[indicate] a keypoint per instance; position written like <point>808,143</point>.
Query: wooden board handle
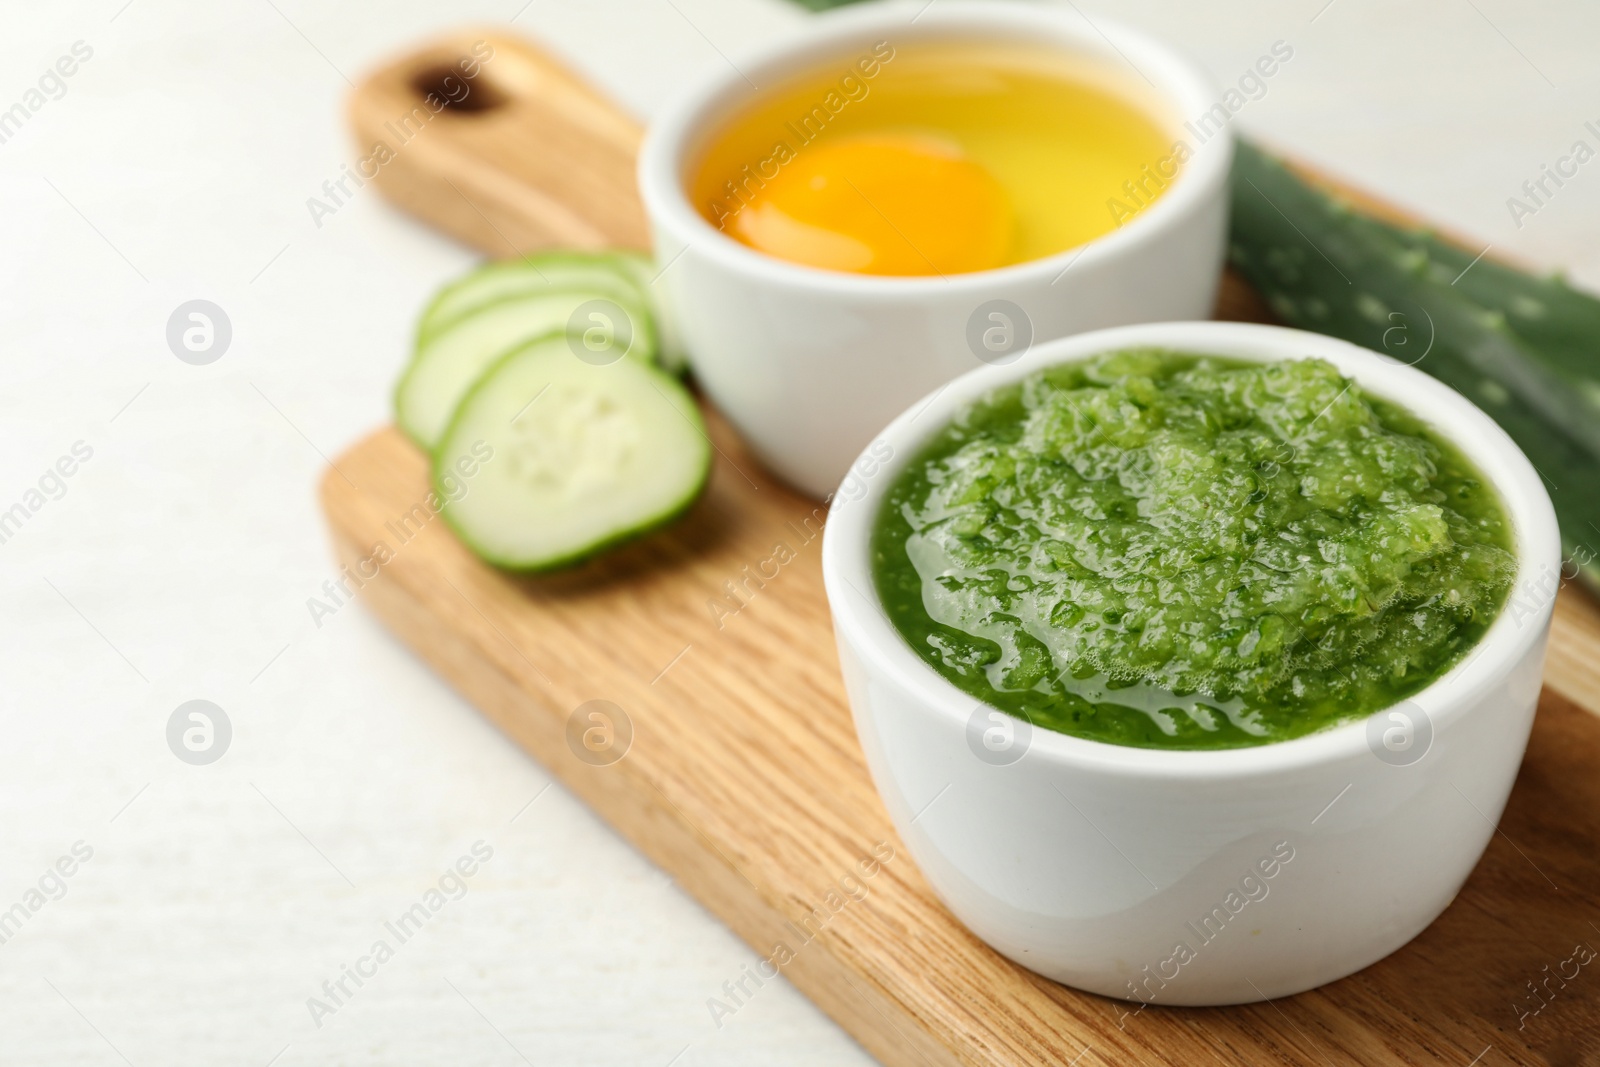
<point>495,142</point>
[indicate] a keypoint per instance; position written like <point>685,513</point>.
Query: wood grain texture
<point>743,778</point>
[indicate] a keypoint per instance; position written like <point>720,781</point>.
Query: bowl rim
<point>860,621</point>
<point>673,137</point>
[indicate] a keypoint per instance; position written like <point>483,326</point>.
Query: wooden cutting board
<point>741,774</point>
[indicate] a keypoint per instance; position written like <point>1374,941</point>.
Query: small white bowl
<point>809,363</point>
<point>1092,863</point>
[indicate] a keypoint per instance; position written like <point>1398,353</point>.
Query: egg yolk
<point>881,203</point>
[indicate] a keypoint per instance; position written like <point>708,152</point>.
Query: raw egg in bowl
<point>938,157</point>
<point>904,191</point>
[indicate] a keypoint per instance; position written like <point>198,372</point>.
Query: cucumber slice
<point>624,276</point>
<point>551,272</point>
<point>550,459</point>
<point>448,362</point>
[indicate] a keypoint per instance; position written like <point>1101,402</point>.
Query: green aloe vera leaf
<point>1487,342</point>
<point>1560,324</point>
<point>1323,267</point>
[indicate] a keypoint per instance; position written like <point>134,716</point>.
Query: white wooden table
<point>176,562</point>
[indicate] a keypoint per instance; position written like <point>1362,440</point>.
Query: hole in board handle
<point>456,91</point>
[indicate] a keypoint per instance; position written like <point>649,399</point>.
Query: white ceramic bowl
<point>1091,863</point>
<point>809,363</point>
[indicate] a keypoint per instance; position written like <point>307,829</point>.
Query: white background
<point>178,564</point>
